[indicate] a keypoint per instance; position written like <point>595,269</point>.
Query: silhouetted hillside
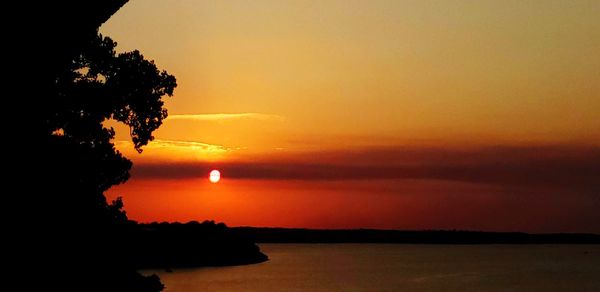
<point>287,235</point>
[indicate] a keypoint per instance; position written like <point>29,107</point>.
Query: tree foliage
<point>98,85</point>
<point>80,161</point>
<point>67,81</point>
<point>101,84</point>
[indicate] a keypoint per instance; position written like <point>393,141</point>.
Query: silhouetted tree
<point>65,80</point>
<point>96,86</point>
<point>80,162</point>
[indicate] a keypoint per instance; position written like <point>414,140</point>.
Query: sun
<point>214,176</point>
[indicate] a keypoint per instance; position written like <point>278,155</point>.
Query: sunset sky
<point>378,114</point>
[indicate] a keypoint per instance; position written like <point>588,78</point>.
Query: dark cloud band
<point>575,167</point>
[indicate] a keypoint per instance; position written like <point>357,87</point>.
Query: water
<point>389,267</point>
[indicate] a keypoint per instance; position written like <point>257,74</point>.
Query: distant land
<point>299,235</point>
<point>195,244</point>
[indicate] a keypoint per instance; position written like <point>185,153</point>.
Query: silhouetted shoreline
<point>193,244</point>
<point>299,235</point>
<point>185,245</point>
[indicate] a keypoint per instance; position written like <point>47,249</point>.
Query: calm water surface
<point>388,267</point>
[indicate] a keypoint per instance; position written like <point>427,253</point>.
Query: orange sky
<point>384,114</point>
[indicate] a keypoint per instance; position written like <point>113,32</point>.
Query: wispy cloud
<point>158,143</point>
<point>176,145</point>
<point>226,116</point>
